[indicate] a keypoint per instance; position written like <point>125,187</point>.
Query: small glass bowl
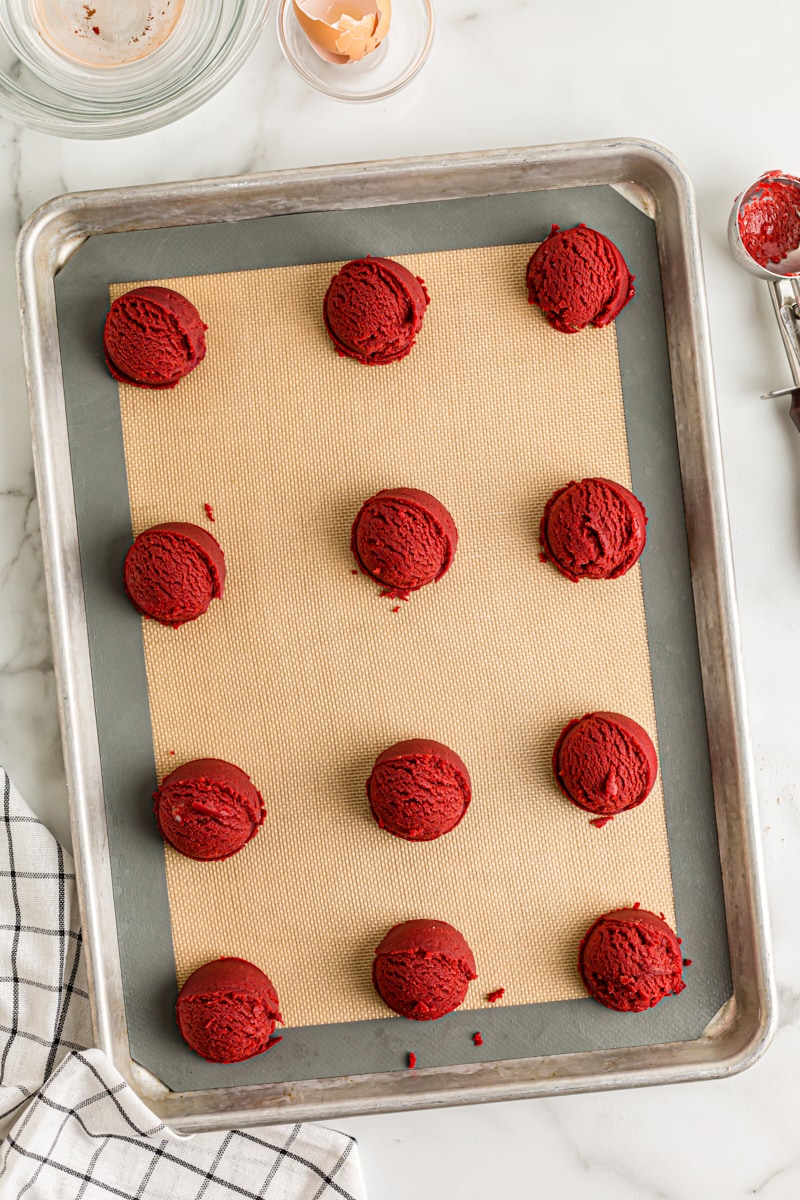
<point>110,68</point>
<point>380,74</point>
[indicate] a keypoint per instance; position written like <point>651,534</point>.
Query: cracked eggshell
<point>343,31</point>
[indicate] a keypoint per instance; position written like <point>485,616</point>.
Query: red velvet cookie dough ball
<point>594,529</point>
<point>153,337</point>
<point>208,809</point>
<point>373,310</point>
<point>605,763</point>
<point>578,277</point>
<point>227,1010</point>
<point>630,960</point>
<point>173,571</point>
<point>403,538</point>
<point>422,969</point>
<point>419,790</point>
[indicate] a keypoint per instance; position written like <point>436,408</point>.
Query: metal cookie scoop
<point>783,275</point>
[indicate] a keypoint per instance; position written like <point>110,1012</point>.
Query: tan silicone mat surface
<point>302,674</point>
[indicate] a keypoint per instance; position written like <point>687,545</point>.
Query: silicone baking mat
<point>302,673</point>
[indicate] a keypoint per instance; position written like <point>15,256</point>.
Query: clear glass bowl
<point>112,68</point>
<point>380,74</point>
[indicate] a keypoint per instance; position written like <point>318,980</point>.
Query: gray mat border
<point>118,660</point>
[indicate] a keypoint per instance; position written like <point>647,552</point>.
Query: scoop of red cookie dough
<point>172,572</point>
<point>419,789</point>
<point>422,969</point>
<point>153,337</point>
<point>403,539</point>
<point>373,310</point>
<point>578,277</point>
<point>605,763</point>
<point>630,960</point>
<point>227,1010</point>
<point>208,809</point>
<point>594,529</point>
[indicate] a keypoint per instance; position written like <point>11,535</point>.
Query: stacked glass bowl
<point>110,68</point>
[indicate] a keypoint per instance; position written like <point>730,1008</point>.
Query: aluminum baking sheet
<point>725,1017</point>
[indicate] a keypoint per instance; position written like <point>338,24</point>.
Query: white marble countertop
<point>512,73</point>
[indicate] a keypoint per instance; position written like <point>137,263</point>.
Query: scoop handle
<point>786,302</point>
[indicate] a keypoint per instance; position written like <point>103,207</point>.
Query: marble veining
<point>505,73</point>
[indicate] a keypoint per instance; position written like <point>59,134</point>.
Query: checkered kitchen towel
<point>73,1128</point>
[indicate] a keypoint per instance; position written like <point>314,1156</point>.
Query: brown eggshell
<point>355,36</point>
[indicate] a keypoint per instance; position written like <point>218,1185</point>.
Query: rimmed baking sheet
<point>182,213</point>
<point>119,679</point>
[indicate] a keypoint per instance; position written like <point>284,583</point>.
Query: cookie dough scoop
<point>373,310</point>
<point>173,571</point>
<point>605,763</point>
<point>208,809</point>
<point>419,789</point>
<point>422,969</point>
<point>227,1010</point>
<point>153,337</point>
<point>630,960</point>
<point>593,529</point>
<point>404,539</point>
<point>578,277</point>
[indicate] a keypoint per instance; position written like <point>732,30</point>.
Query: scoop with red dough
<point>404,539</point>
<point>630,959</point>
<point>152,337</point>
<point>208,809</point>
<point>605,763</point>
<point>173,571</point>
<point>594,529</point>
<point>419,789</point>
<point>769,223</point>
<point>578,277</point>
<point>422,969</point>
<point>227,1010</point>
<point>373,310</point>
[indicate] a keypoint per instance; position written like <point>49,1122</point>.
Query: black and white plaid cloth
<point>73,1128</point>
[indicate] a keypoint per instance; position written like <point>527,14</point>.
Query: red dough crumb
<point>173,571</point>
<point>396,609</point>
<point>687,962</point>
<point>419,789</point>
<point>630,959</point>
<point>403,539</point>
<point>477,1039</point>
<point>153,337</point>
<point>412,1060</point>
<point>373,310</point>
<point>599,822</point>
<point>209,511</point>
<point>605,763</point>
<point>594,529</point>
<point>578,277</point>
<point>208,809</point>
<point>493,997</point>
<point>422,969</point>
<point>227,1010</point>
